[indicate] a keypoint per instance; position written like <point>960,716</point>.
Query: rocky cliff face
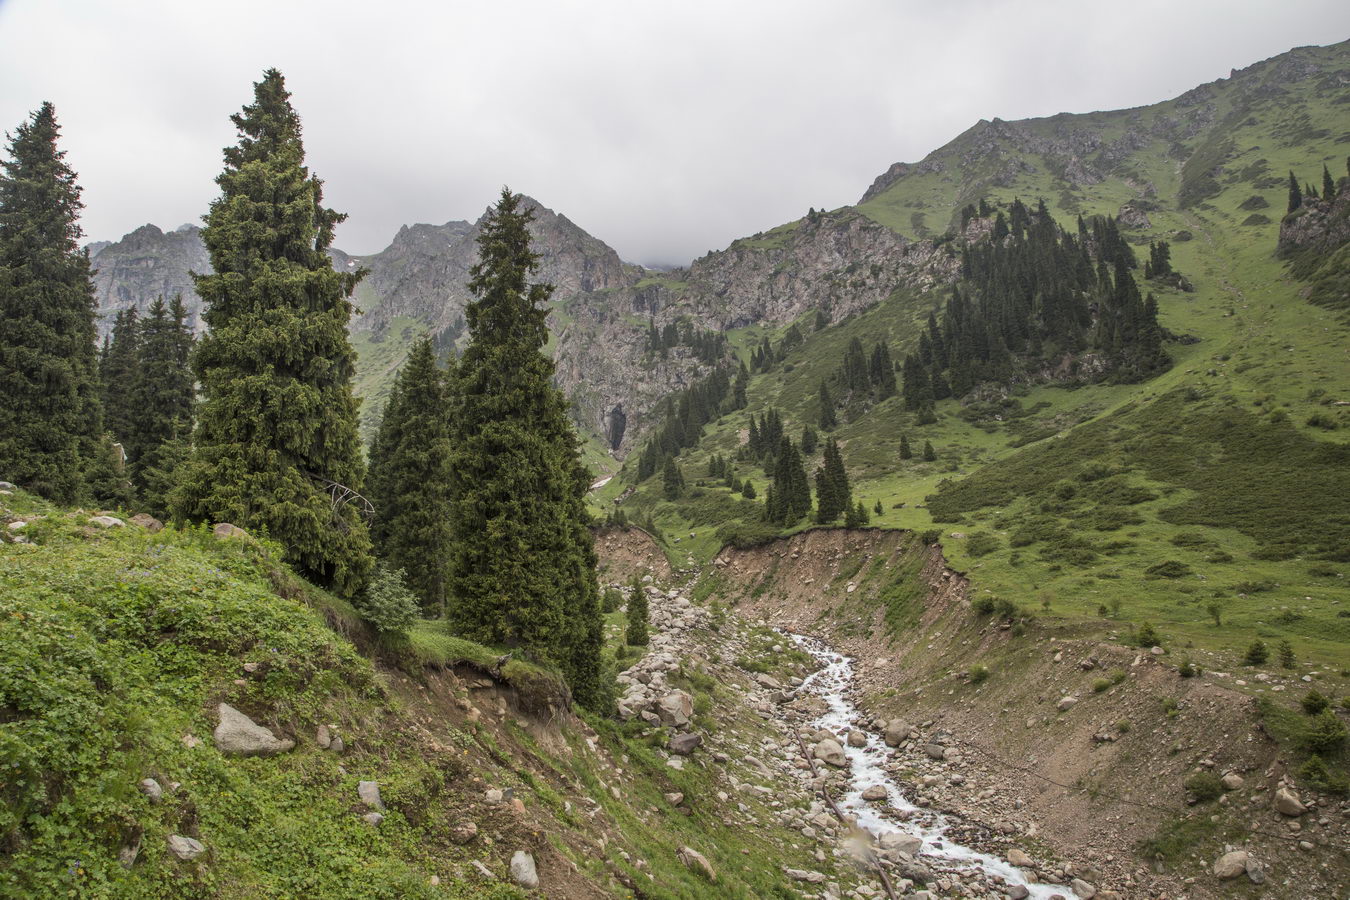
<point>840,262</point>
<point>144,265</point>
<point>1319,227</point>
<point>424,273</point>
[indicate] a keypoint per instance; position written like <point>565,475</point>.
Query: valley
<point>988,538</point>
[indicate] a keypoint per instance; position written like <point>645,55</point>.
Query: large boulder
<point>238,735</point>
<point>523,871</point>
<point>896,733</point>
<point>685,743</point>
<point>1231,865</point>
<point>148,522</point>
<point>675,709</point>
<point>185,848</point>
<point>369,793</point>
<point>1288,804</point>
<point>1019,858</point>
<point>828,751</point>
<point>900,842</point>
<point>226,530</point>
<point>696,862</point>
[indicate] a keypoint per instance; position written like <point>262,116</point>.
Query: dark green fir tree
<point>276,445</point>
<point>636,635</point>
<point>928,453</point>
<point>672,479</point>
<point>163,395</point>
<point>117,373</point>
<point>50,415</point>
<point>522,564</point>
<point>410,478</point>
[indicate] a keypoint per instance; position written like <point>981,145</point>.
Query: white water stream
<point>833,683</point>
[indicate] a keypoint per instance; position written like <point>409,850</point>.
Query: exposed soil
<point>1089,783</point>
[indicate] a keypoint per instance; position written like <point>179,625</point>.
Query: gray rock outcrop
<point>238,735</point>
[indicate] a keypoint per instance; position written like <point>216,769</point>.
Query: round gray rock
<point>523,871</point>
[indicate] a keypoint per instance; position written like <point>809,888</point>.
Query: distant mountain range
<point>1221,150</point>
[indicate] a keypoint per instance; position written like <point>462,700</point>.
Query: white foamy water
<point>601,483</point>
<point>867,766</point>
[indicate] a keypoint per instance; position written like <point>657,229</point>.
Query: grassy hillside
<point>116,645</point>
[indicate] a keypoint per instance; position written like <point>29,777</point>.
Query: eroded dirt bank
<point>1066,747</point>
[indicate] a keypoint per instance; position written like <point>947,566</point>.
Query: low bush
<point>1204,786</point>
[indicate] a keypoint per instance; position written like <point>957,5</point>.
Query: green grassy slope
<point>117,645</point>
<point>1240,446</point>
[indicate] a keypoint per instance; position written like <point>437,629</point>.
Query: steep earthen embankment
<point>1061,738</point>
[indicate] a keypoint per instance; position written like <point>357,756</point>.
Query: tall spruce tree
<point>410,478</point>
<point>50,414</point>
<point>117,373</point>
<point>1295,194</point>
<point>522,565</point>
<point>276,444</point>
<point>163,395</point>
<point>637,614</point>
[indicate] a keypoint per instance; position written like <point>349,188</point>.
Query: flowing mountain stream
<point>833,683</point>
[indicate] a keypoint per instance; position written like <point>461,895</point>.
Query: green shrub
<point>1256,654</point>
<point>1147,637</point>
<point>984,604</point>
<point>1169,569</point>
<point>1100,684</point>
<point>981,543</point>
<point>1315,775</point>
<point>931,536</point>
<point>1325,735</point>
<point>611,600</point>
<point>1187,669</point>
<point>388,606</point>
<point>979,674</point>
<point>1286,655</point>
<point>1204,786</point>
<point>1314,702</point>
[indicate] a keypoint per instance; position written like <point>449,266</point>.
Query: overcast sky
<point>665,129</point>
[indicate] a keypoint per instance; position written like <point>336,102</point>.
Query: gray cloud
<point>664,129</point>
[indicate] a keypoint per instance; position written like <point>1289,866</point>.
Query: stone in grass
<point>226,530</point>
<point>185,848</point>
<point>685,743</point>
<point>106,522</point>
<point>238,735</point>
<point>1231,865</point>
<point>151,788</point>
<point>1288,804</point>
<point>697,862</point>
<point>523,871</point>
<point>369,792</point>
<point>147,522</point>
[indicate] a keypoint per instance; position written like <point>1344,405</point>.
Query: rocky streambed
<point>865,754</point>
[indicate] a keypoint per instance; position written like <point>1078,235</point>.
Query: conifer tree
<point>1295,194</point>
<point>809,440</point>
<point>522,564</point>
<point>905,452</point>
<point>276,445</point>
<point>50,416</point>
<point>1328,184</point>
<point>117,371</point>
<point>833,493</point>
<point>928,454</point>
<point>672,479</point>
<point>162,393</point>
<point>748,489</point>
<point>827,417</point>
<point>638,613</point>
<point>410,478</point>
